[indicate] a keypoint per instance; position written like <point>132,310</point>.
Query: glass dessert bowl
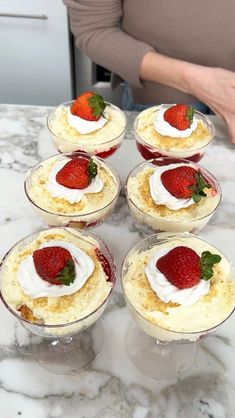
<point>102,141</point>
<point>155,137</point>
<point>65,191</point>
<point>178,289</point>
<point>57,283</point>
<point>172,195</point>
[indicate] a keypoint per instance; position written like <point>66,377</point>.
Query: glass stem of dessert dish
<point>172,194</point>
<point>87,124</point>
<point>178,289</point>
<point>56,283</point>
<point>74,190</point>
<point>173,131</point>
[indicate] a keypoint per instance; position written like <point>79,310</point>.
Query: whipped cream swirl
<point>166,291</point>
<point>86,126</point>
<point>71,195</point>
<point>165,129</point>
<point>160,194</point>
<point>33,285</point>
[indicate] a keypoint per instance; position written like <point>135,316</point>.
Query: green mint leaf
<point>207,262</point>
<point>67,275</point>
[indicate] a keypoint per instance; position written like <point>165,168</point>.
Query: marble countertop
<point>112,388</point>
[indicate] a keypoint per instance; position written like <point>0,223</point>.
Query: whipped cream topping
<point>160,194</point>
<point>71,195</point>
<point>166,291</point>
<point>165,129</point>
<point>85,126</point>
<point>33,285</point>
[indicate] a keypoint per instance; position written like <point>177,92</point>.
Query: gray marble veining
<point>112,388</point>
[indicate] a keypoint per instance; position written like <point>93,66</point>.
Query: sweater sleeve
<point>95,25</point>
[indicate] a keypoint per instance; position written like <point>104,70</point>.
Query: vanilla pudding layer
<point>151,312</point>
<point>138,191</point>
<point>145,130</point>
<point>56,310</point>
<point>89,203</point>
<point>113,128</point>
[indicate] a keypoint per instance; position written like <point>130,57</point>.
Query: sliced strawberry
<point>179,116</point>
<point>88,106</point>
<point>105,264</point>
<point>77,173</point>
<point>185,182</point>
<point>183,267</point>
<point>55,265</point>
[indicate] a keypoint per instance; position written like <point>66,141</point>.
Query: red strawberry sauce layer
<point>102,154</point>
<point>105,264</point>
<point>149,153</point>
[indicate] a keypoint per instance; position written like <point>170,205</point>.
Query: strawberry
<point>55,265</point>
<point>105,264</point>
<point>88,106</point>
<point>77,173</point>
<point>179,116</point>
<point>183,267</point>
<point>185,182</point>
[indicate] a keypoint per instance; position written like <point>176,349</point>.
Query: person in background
<point>180,51</point>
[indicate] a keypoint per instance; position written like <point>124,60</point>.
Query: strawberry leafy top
<point>189,114</point>
<point>207,262</point>
<point>198,188</point>
<point>96,102</point>
<point>92,169</point>
<point>67,275</point>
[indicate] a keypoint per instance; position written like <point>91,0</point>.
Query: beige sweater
<point>117,34</point>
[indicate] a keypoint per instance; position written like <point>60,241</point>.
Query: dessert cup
<point>149,150</point>
<point>74,216</point>
<point>158,352</point>
<point>66,347</point>
<point>103,143</point>
<point>172,221</point>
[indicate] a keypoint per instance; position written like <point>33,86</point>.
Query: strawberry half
<point>185,182</point>
<point>55,265</point>
<point>179,116</point>
<point>105,264</point>
<point>77,173</point>
<point>183,267</point>
<point>88,106</point>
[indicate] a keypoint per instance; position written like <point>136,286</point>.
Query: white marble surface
<point>112,387</point>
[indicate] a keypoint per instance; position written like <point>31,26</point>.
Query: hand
<point>216,88</point>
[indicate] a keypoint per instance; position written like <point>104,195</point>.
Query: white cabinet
<point>35,62</point>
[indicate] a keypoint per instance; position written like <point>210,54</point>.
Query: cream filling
<point>208,311</point>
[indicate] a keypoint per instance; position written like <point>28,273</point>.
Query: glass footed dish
<point>157,351</point>
<point>75,217</point>
<point>63,348</point>
<point>103,142</point>
<point>148,150</point>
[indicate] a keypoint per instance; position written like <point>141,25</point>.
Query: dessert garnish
<point>105,264</point>
<point>55,265</point>
<point>88,106</point>
<point>184,268</point>
<point>185,182</point>
<point>77,173</point>
<point>179,116</point>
